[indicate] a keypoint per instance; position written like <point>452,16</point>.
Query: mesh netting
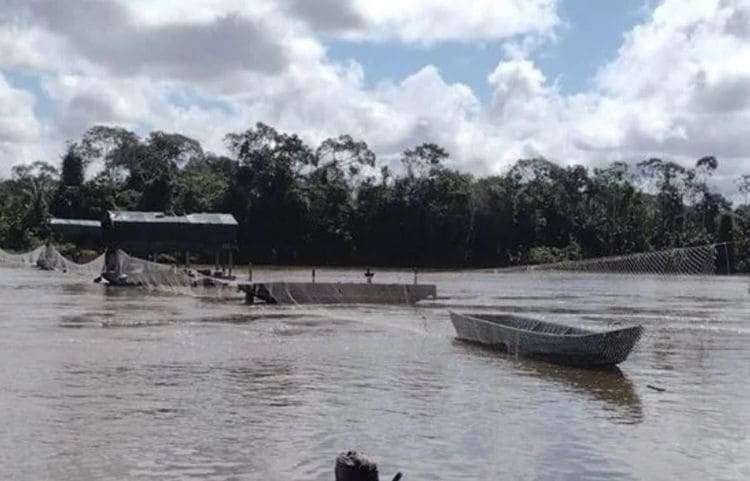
<point>342,293</point>
<point>700,260</point>
<point>123,269</point>
<point>51,259</point>
<point>25,258</point>
<point>120,268</point>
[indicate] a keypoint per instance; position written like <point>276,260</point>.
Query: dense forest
<point>335,204</point>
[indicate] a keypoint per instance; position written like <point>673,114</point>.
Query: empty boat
<point>526,336</point>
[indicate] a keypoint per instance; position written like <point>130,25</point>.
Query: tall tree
<point>31,190</point>
<point>424,159</point>
<point>67,201</point>
<point>266,195</point>
<point>73,167</point>
<point>743,185</point>
<point>154,172</point>
<point>671,182</point>
<point>344,156</point>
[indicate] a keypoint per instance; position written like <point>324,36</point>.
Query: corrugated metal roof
<point>161,218</point>
<point>76,222</point>
<point>210,218</point>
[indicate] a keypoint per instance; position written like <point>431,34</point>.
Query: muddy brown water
<point>106,383</point>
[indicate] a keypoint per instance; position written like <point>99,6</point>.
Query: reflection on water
<point>610,386</point>
<point>100,383</point>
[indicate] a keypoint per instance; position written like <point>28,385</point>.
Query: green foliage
<point>423,159</point>
<point>335,205</point>
<point>201,186</point>
<point>73,167</point>
<point>551,255</point>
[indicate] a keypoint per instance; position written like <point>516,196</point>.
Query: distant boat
<point>557,343</point>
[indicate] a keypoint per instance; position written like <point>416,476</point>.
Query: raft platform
<point>336,293</point>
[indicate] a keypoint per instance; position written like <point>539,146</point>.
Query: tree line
<point>336,205</point>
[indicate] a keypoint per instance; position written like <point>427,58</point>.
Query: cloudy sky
<point>576,81</point>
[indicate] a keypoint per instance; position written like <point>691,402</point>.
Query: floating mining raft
<point>336,293</point>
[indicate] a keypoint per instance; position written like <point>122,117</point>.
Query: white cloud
<point>680,84</point>
<point>19,129</point>
<point>17,120</point>
<point>678,87</point>
<point>430,21</point>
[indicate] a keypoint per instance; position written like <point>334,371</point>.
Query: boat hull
<point>552,342</point>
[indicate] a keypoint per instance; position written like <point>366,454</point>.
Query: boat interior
<point>530,324</point>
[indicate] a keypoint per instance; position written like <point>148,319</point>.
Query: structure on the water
<point>336,293</point>
<point>128,235</point>
<point>151,233</point>
<point>81,232</point>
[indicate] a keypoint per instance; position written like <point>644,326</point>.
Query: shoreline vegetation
<point>337,205</point>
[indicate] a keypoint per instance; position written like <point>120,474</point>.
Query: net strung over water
<point>699,260</point>
<point>125,269</point>
<point>130,269</point>
<point>49,258</point>
<point>19,259</point>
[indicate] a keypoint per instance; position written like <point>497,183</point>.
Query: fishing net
<point>20,259</point>
<point>342,293</point>
<point>52,260</point>
<point>699,260</point>
<point>49,258</point>
<point>120,268</point>
<point>123,269</point>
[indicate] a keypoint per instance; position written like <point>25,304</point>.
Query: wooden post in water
<point>415,276</point>
<point>250,272</point>
<point>250,295</point>
<point>313,275</point>
<point>231,262</point>
<point>216,261</point>
<point>726,256</point>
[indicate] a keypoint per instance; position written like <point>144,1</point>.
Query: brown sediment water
<point>118,383</point>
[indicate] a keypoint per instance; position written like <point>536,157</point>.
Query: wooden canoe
<point>531,337</point>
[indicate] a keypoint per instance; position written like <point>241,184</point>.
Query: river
<point>108,383</point>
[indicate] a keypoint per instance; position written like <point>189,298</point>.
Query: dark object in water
<point>557,343</point>
<point>655,388</point>
<point>354,466</point>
